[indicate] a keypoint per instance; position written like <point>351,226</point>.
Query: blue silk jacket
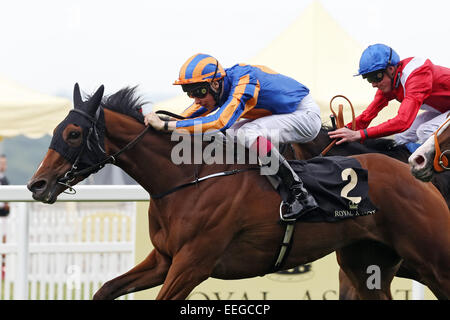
<point>249,92</point>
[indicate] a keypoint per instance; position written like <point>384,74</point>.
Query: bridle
<point>73,172</point>
<point>441,161</point>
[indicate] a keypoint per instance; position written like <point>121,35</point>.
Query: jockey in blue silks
<point>265,100</point>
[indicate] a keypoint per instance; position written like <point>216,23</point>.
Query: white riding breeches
<point>425,124</point>
<point>301,126</point>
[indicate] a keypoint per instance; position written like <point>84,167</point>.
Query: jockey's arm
<point>194,110</point>
<point>418,87</point>
<point>379,102</point>
<point>243,97</point>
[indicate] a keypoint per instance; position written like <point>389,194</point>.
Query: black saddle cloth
<point>339,185</point>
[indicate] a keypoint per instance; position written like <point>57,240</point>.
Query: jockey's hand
<point>345,135</point>
<point>153,120</point>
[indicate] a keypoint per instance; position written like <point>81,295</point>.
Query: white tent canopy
<point>27,112</point>
<point>317,52</point>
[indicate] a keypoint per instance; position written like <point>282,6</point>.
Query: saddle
<point>339,185</point>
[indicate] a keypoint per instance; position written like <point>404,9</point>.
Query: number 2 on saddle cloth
<point>339,185</point>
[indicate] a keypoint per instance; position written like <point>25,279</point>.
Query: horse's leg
<point>408,272</point>
<point>346,289</point>
<point>433,271</point>
<point>193,264</point>
<point>359,260</point>
<point>427,254</point>
<point>415,219</point>
<point>149,273</point>
<point>348,292</point>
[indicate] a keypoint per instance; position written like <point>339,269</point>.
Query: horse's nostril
<point>37,185</point>
<point>419,159</point>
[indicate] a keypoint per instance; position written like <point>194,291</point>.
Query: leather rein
<point>111,159</point>
<point>340,120</point>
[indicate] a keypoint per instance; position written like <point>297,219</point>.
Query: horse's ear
<point>96,99</point>
<point>77,101</point>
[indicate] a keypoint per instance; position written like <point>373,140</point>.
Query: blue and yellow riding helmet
<point>198,72</point>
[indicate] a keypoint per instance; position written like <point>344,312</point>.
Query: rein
<point>197,180</point>
<point>441,161</point>
<point>340,120</point>
<point>73,173</point>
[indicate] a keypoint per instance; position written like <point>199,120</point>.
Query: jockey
<point>416,82</point>
<point>270,103</point>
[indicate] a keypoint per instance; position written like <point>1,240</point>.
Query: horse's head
<point>433,155</point>
<point>77,144</point>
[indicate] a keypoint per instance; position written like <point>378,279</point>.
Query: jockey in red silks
<point>415,82</point>
<point>267,101</point>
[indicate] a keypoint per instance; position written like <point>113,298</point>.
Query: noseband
<point>441,162</point>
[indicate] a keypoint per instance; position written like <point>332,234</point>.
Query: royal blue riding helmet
<point>377,57</point>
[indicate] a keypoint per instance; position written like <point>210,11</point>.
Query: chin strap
<point>217,93</point>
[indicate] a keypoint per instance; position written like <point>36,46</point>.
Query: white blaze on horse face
<point>423,155</point>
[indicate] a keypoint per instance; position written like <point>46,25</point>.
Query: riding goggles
<point>375,76</point>
<point>198,93</point>
<point>196,90</point>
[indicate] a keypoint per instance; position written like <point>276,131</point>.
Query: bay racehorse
<point>433,156</point>
<point>228,226</point>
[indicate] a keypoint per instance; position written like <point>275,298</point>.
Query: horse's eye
<point>74,135</point>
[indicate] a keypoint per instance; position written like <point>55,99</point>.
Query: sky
<point>48,45</point>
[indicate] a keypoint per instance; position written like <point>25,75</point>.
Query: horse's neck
<point>148,161</point>
<point>157,163</point>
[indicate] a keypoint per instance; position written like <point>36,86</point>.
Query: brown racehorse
<point>433,156</point>
<point>227,227</point>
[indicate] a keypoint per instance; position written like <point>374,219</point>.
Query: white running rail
<point>69,249</point>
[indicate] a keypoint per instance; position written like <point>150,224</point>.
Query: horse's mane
<point>125,101</point>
